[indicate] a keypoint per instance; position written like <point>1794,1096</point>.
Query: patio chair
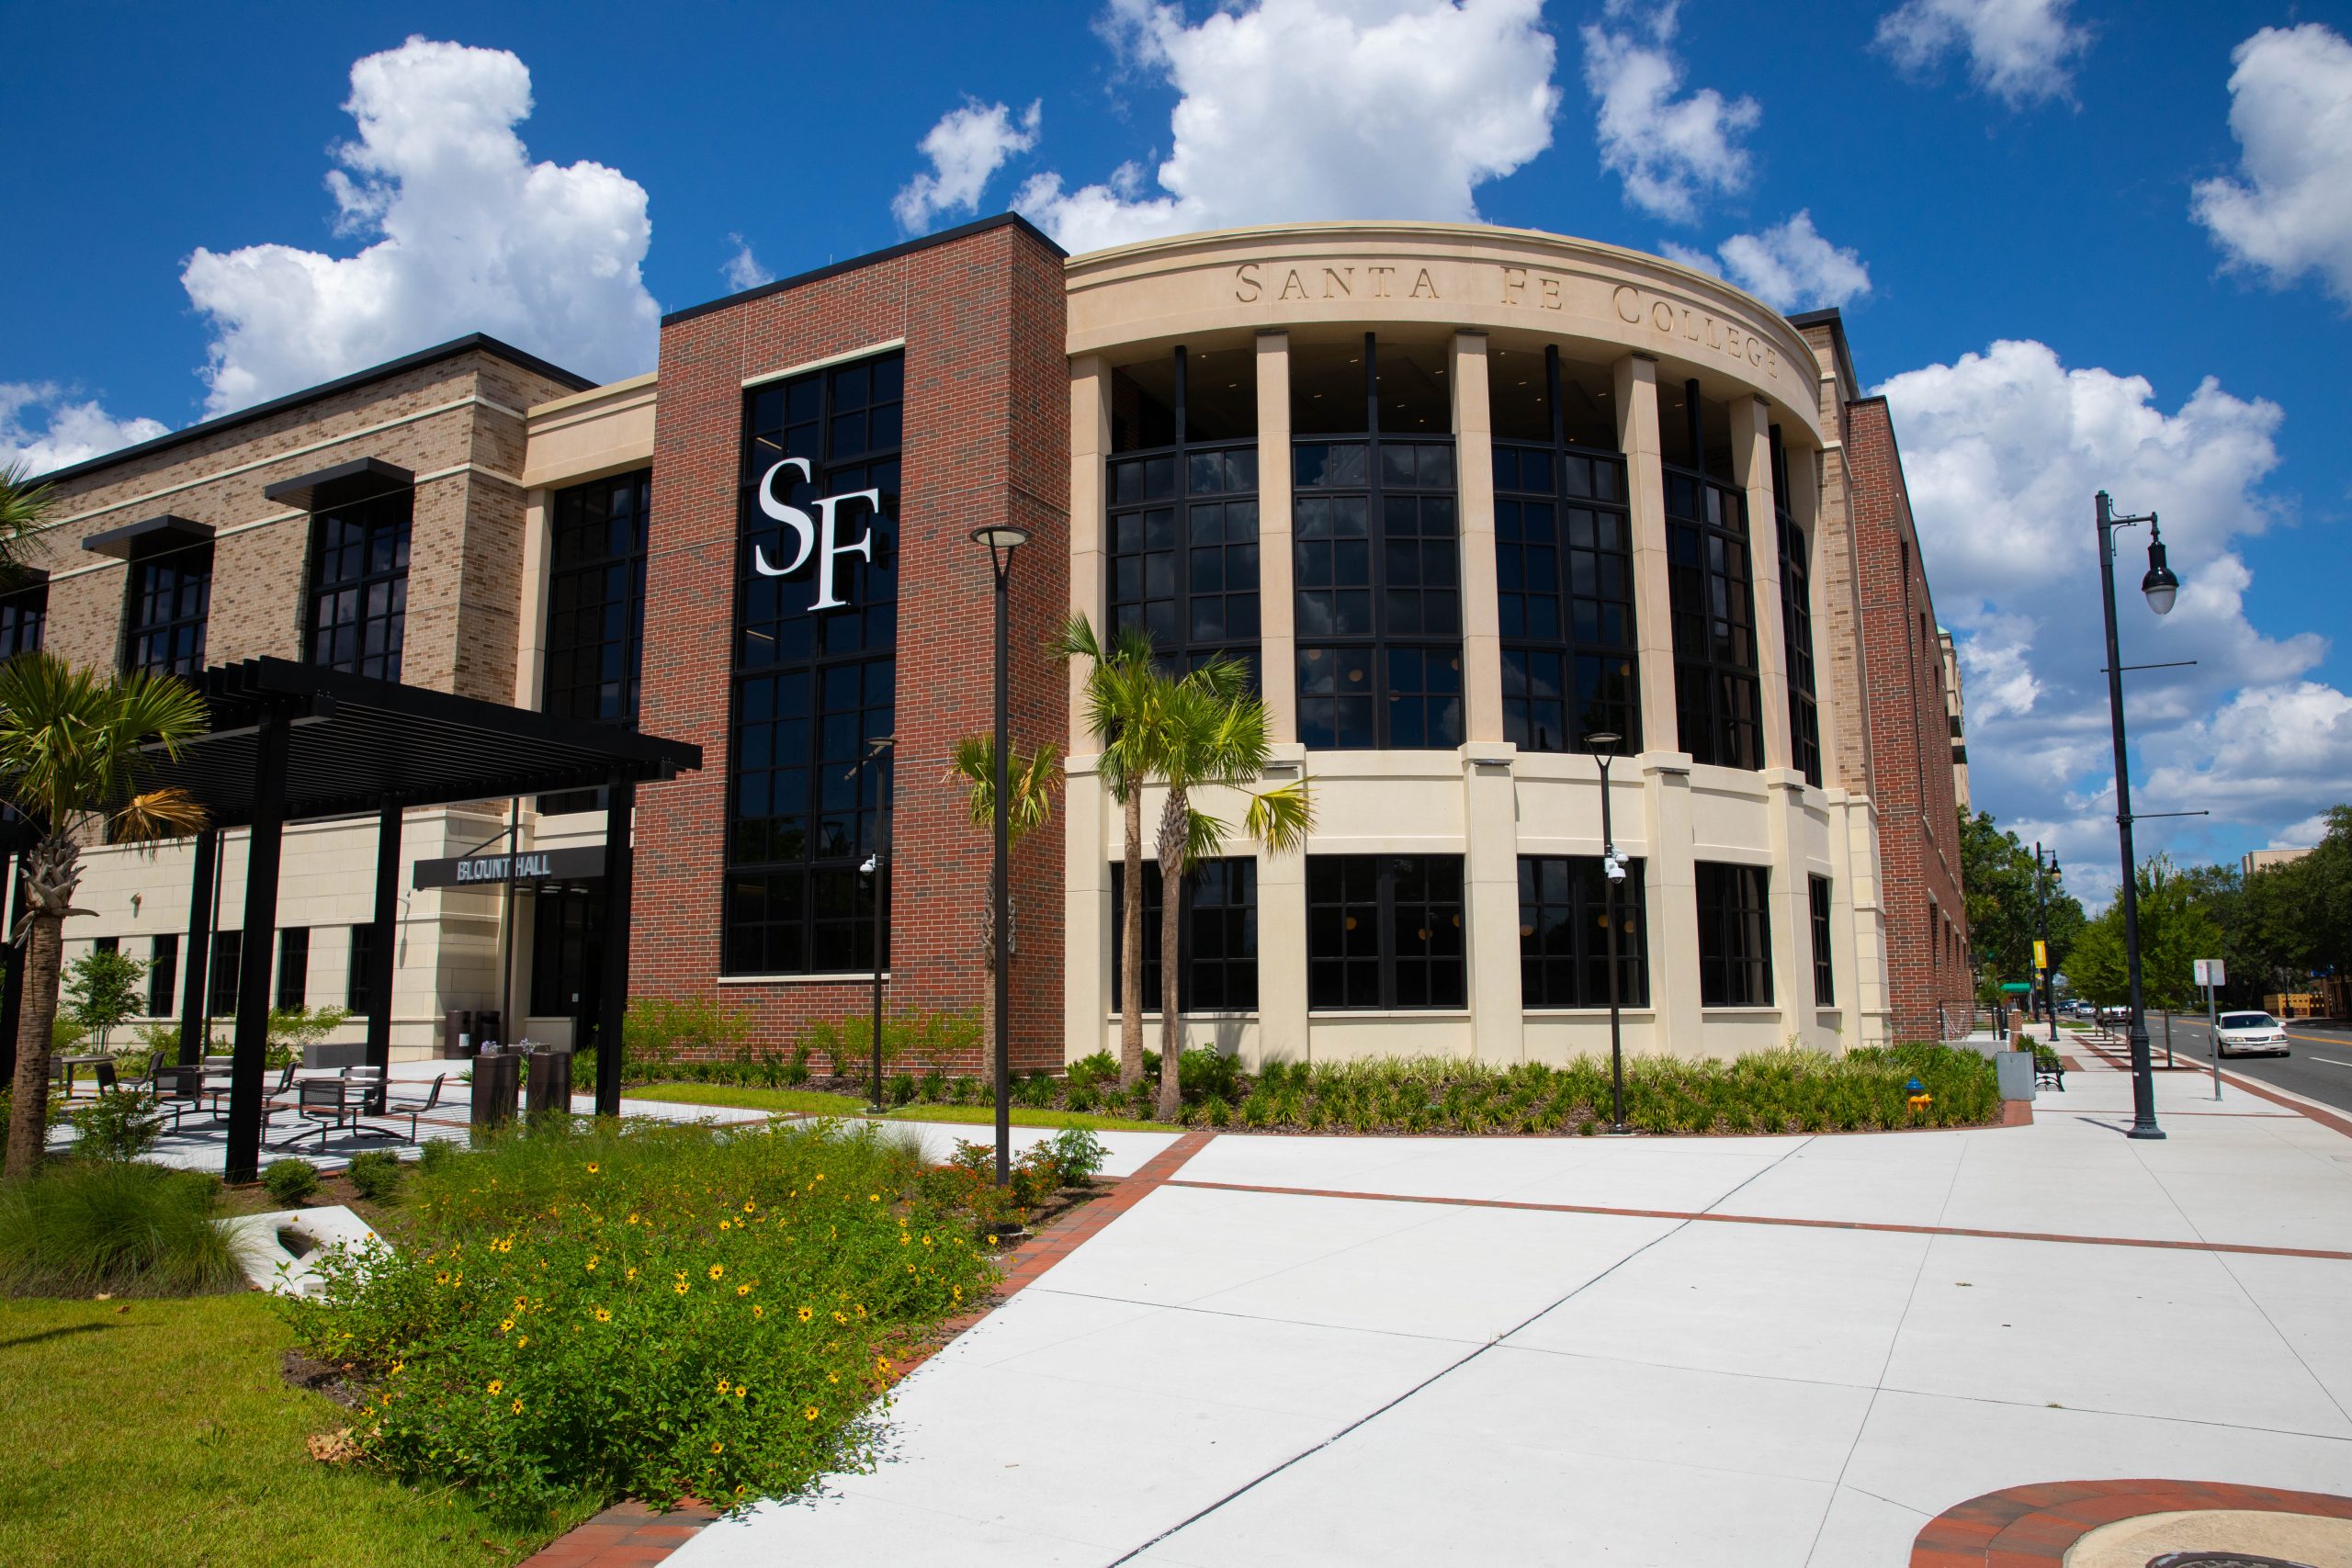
<point>368,1079</point>
<point>324,1101</point>
<point>273,1096</point>
<point>179,1091</point>
<point>415,1110</point>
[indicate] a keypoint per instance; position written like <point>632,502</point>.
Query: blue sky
<point>2099,187</point>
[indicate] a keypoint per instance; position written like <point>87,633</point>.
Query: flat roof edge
<point>890,252</point>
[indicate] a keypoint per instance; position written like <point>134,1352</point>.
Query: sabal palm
<point>25,506</point>
<point>1188,733</point>
<point>71,759</point>
<point>1029,782</point>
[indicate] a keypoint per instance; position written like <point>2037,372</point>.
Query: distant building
<point>2263,860</point>
<point>1952,711</point>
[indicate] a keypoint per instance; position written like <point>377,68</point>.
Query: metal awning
<point>355,744</point>
<point>155,536</point>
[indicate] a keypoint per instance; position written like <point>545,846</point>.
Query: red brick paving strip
<point>631,1534</point>
<point>2033,1527</point>
<point>2232,1246</point>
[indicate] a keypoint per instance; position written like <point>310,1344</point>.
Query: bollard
<point>549,1076</point>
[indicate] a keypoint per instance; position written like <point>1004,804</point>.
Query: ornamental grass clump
<point>128,1229</point>
<point>641,1310</point>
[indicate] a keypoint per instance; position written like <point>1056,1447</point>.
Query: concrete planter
<point>2015,1071</point>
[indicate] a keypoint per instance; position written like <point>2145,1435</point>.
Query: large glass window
<point>1564,933</point>
<point>293,966</point>
<point>1564,574</point>
<point>221,983</point>
<point>1216,946</point>
<point>1378,564</point>
<point>358,997</point>
<point>170,597</point>
<point>1734,935</point>
<point>162,975</point>
<point>1385,932</point>
<point>358,617</point>
<point>815,683</point>
<point>1184,518</point>
<point>24,614</point>
<point>596,599</point>
<point>1713,594</point>
<point>1825,974</point>
<point>567,945</point>
<point>1796,620</point>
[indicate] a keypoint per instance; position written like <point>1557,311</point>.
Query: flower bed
<point>651,1311</point>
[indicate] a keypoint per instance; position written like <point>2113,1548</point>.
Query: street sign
<point>2016,988</point>
<point>2209,971</point>
<point>2041,955</point>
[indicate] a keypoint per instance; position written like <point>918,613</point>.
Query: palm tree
<point>71,759</point>
<point>1188,733</point>
<point>1029,782</point>
<point>24,508</point>
<point>1122,689</point>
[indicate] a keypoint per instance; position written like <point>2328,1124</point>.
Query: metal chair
<point>413,1109</point>
<point>325,1101</point>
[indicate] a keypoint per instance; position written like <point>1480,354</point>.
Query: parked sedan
<point>2252,1034</point>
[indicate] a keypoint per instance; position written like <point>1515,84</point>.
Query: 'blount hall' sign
<point>532,865</point>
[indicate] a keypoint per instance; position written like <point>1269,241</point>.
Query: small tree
<point>102,991</point>
<point>1029,782</point>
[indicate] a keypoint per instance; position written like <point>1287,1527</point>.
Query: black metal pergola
<point>290,742</point>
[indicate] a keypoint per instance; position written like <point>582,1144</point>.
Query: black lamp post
<point>1001,540</point>
<point>2041,881</point>
<point>1612,868</point>
<point>2161,587</point>
<point>876,867</point>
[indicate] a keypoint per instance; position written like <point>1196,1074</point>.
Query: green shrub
<point>124,1124</point>
<point>1092,1072</point>
<point>115,1225</point>
<point>377,1174</point>
<point>291,1181</point>
<point>435,1153</point>
<point>645,1310</point>
<point>1202,1072</point>
<point>1079,1154</point>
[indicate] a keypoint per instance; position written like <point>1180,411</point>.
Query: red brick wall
<point>1910,736</point>
<point>987,441</point>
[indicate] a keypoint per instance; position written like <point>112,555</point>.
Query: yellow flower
<point>758,1312</point>
<point>441,1279</point>
<point>631,1274</point>
<point>882,1363</point>
<point>832,1377</point>
<point>592,1167</point>
<point>739,1390</point>
<point>809,1414</point>
<point>959,1291</point>
<point>747,1205</point>
<point>874,1197</point>
<point>724,1385</point>
<point>718,1448</point>
<point>805,1314</point>
<point>520,1303</point>
<point>507,1327</point>
<point>632,1219</point>
<point>591,1265</point>
<point>839,1318</point>
<point>518,1407</point>
<point>397,1366</point>
<point>726,1224</point>
<point>603,1315</point>
<point>679,1287</point>
<point>497,1385</point>
<point>717,1270</point>
<point>522,1341</point>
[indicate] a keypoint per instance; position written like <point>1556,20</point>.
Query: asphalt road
<point>2319,1067</point>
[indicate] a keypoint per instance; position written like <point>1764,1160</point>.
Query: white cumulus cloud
<point>1788,266</point>
<point>44,426</point>
<point>2290,210</point>
<point>966,148</point>
<point>743,270</point>
<point>469,235</point>
<point>1306,109</point>
<point>1671,149</point>
<point>2022,51</point>
<point>2003,452</point>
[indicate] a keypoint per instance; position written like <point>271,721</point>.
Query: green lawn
<point>817,1103</point>
<point>161,1431</point>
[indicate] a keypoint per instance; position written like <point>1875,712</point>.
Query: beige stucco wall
<point>1653,320</point>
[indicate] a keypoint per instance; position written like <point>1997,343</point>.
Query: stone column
<point>1087,913</point>
<point>1490,876</point>
<point>1751,452</point>
<point>1090,446</point>
<point>1673,894</point>
<point>531,640</point>
<point>1277,642</point>
<point>1636,400</point>
<point>1282,934</point>
<point>1474,448</point>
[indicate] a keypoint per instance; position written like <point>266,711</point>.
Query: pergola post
<point>255,949</point>
<point>195,1002</point>
<point>380,953</point>
<point>620,817</point>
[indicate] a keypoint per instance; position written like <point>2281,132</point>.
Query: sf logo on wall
<point>816,534</point>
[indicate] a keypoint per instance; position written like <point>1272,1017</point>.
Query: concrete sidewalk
<point>1662,1351</point>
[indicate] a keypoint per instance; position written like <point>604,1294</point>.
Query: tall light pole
<point>1612,868</point>
<point>2161,587</point>
<point>1001,540</point>
<point>876,865</point>
<point>2049,971</point>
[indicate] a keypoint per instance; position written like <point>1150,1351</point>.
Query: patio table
<point>71,1063</point>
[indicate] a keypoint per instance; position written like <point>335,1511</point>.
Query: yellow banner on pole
<point>2041,955</point>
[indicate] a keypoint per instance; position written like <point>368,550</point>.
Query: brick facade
<point>980,311</point>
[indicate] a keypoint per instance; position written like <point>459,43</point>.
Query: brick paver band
<point>2033,1527</point>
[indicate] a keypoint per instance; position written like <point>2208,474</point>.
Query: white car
<point>2252,1034</point>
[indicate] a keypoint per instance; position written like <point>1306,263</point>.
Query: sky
<point>2077,244</point>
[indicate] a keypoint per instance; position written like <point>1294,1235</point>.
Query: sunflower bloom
<point>809,1414</point>
<point>717,1270</point>
<point>497,1385</point>
<point>603,1315</point>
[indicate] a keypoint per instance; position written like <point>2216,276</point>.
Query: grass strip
<point>816,1102</point>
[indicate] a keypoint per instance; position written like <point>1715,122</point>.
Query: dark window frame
<point>1385,583</point>
<point>223,976</point>
<point>1824,968</point>
<point>167,602</point>
<point>1218,910</point>
<point>293,985</point>
<point>1375,972</point>
<point>567,940</point>
<point>1711,578</point>
<point>811,689</point>
<point>596,599</point>
<point>1563,941</point>
<point>357,585</point>
<point>1734,935</point>
<point>359,992</point>
<point>24,618</point>
<point>163,972</point>
<point>1183,527</point>
<point>1554,602</point>
<point>1796,622</point>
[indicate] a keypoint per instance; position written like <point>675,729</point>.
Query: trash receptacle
<point>548,1076</point>
<point>496,1078</point>
<point>457,1036</point>
<point>2013,1070</point>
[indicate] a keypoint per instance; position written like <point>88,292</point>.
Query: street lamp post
<point>875,867</point>
<point>1001,540</point>
<point>1613,869</point>
<point>2042,882</point>
<point>2161,587</point>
